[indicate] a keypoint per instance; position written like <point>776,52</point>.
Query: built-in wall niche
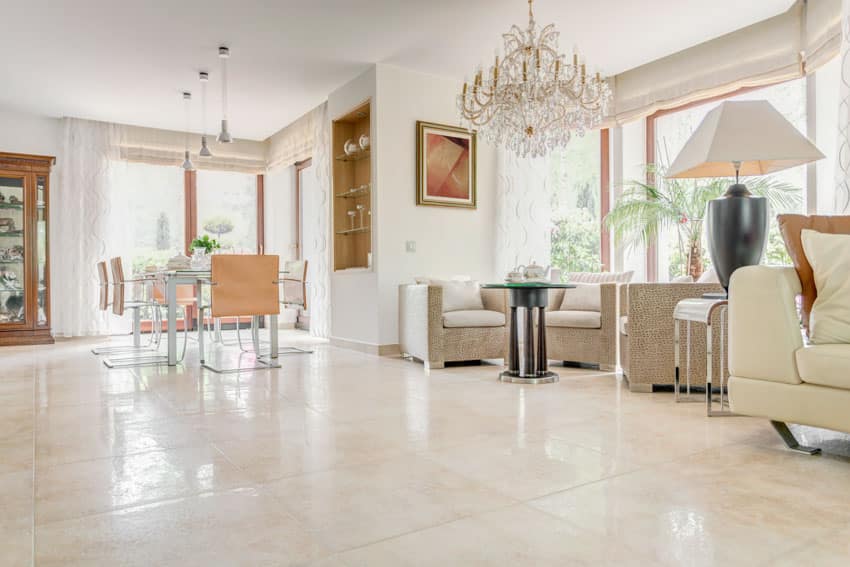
<point>352,189</point>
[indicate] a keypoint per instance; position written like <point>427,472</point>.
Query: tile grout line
<point>34,454</point>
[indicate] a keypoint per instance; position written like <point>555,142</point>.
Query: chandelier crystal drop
<point>532,100</point>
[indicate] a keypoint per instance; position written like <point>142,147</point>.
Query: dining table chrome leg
<point>171,295</point>
<point>542,355</point>
<point>528,350</point>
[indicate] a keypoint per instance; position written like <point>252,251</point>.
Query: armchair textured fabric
<point>773,374</point>
<point>434,337</point>
<point>588,337</point>
<point>646,334</point>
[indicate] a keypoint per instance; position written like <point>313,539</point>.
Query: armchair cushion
<point>473,318</point>
<point>599,277</point>
<point>825,365</point>
<point>829,256</point>
<point>460,295</point>
<point>584,297</point>
<point>575,319</point>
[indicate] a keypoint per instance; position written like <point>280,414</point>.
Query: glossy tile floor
<point>344,459</point>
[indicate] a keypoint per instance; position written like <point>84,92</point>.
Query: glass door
<point>42,276</point>
<point>13,265</point>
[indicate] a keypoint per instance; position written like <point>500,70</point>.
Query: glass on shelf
<point>356,156</point>
<point>355,192</point>
<point>12,276</point>
<point>351,218</point>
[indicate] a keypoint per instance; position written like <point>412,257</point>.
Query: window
<point>575,179</point>
<point>227,209</point>
<point>672,130</point>
<point>149,221</point>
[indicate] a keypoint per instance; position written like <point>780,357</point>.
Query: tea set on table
<point>532,273</point>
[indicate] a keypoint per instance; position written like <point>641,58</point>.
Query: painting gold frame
<point>423,197</point>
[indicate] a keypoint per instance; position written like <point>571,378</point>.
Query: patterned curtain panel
<point>842,181</point>
<point>81,206</point>
<point>317,205</point>
<point>523,211</point>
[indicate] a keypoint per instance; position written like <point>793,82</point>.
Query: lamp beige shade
<point>753,133</point>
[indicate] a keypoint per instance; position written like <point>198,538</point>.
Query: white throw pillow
<point>599,277</point>
<point>682,279</point>
<point>829,255</point>
<point>584,297</point>
<point>709,276</point>
<point>460,296</point>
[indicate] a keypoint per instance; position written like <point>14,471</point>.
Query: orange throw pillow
<point>791,227</point>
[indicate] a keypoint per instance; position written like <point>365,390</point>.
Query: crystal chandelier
<point>532,100</point>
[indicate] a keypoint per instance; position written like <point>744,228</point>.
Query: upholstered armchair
<point>646,334</point>
<point>435,336</point>
<point>584,332</point>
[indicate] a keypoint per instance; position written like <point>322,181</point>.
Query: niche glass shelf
<point>357,230</point>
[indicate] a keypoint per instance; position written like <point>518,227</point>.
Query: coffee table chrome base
<point>547,377</point>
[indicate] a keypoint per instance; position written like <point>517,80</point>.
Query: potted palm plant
<point>645,209</point>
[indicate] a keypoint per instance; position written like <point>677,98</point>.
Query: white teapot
<point>534,272</point>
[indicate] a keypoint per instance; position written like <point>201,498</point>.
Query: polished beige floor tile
<point>341,458</point>
<point>515,535</point>
<point>525,466</point>
<point>240,527</point>
<point>353,506</point>
<point>321,445</point>
<point>102,485</point>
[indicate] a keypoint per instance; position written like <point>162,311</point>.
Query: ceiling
<point>127,61</point>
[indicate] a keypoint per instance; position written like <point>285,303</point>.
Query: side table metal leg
<point>708,370</point>
<point>513,346</point>
<point>676,360</point>
<point>688,358</point>
<point>542,356</point>
<point>528,352</point>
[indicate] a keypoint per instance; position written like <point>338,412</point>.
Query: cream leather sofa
<point>773,374</point>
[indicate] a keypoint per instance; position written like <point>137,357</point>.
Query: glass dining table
<point>197,278</point>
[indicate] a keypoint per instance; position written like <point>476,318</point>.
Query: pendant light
<point>224,135</point>
<point>205,151</point>
<point>187,162</point>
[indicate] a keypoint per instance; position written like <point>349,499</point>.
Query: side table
<point>701,311</point>
<point>535,365</point>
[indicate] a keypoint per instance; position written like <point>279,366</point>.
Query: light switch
<point>410,245</point>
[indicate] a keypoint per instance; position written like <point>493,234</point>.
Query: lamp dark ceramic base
<point>737,231</point>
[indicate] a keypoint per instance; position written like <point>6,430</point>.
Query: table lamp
<point>740,138</point>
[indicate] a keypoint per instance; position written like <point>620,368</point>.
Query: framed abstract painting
<point>445,166</point>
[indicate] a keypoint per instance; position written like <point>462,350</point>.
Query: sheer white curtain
<point>317,202</point>
<point>842,162</point>
<point>81,201</point>
<point>523,211</point>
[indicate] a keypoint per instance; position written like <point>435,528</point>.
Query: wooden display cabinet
<point>352,191</point>
<point>24,265</point>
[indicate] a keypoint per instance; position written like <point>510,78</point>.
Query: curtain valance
<point>294,142</point>
<point>165,147</point>
<point>783,47</point>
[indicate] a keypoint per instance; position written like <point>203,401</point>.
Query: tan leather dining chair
<point>245,285</point>
<point>120,288</point>
<point>104,305</point>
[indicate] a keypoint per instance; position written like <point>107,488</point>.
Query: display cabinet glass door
<point>13,264</point>
<point>41,247</point>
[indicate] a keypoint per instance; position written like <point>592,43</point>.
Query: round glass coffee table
<point>533,366</point>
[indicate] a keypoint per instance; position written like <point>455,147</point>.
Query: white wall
<point>354,293</point>
<point>448,240</point>
<point>279,208</point>
<point>29,134</point>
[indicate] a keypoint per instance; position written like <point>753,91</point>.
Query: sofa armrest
<point>764,328</point>
<point>420,324</point>
<point>650,305</point>
<point>494,299</point>
<point>608,306</point>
